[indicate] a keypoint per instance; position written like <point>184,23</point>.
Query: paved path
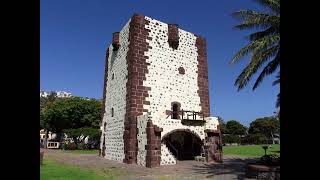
<point>233,167</point>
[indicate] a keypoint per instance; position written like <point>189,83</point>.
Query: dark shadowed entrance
<point>183,144</point>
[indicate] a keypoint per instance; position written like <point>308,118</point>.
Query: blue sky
<point>75,33</point>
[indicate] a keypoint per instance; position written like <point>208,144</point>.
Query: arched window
<point>112,112</point>
<point>175,111</point>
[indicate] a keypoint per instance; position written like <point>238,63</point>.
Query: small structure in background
<point>275,139</point>
<point>53,145</point>
<point>43,140</point>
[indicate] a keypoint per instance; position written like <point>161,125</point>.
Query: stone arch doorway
<point>183,144</point>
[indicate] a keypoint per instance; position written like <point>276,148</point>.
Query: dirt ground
<point>232,168</point>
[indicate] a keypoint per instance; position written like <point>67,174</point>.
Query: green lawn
<point>51,170</point>
<point>94,151</point>
<point>250,150</point>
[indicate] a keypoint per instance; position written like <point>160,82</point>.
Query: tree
<point>222,125</point>
<point>44,103</point>
<point>264,45</point>
<point>266,126</point>
<point>42,120</point>
<point>233,127</point>
<point>231,139</point>
<point>52,97</point>
<point>73,113</point>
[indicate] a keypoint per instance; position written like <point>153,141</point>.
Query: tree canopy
<point>222,125</point>
<point>233,127</point>
<point>265,126</point>
<point>73,113</point>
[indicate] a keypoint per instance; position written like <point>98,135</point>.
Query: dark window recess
<point>173,35</point>
<point>115,41</point>
<point>181,70</point>
<point>175,109</point>
<point>105,126</point>
<point>112,112</point>
<point>112,76</point>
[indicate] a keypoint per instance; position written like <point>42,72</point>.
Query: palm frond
<point>274,5</point>
<point>264,44</point>
<point>257,60</point>
<point>260,34</point>
<point>276,81</point>
<point>258,46</point>
<point>278,101</point>
<point>244,14</point>
<point>253,19</point>
<point>269,69</point>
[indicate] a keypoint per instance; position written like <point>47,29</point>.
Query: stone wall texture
<point>115,97</point>
<point>142,139</point>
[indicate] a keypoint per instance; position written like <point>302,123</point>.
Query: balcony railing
<point>188,115</point>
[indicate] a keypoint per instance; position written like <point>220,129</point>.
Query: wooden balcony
<point>188,116</point>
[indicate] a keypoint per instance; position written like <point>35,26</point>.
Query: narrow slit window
<point>112,112</point>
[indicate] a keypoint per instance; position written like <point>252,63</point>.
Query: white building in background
<point>60,94</point>
<point>63,94</point>
<point>44,94</point>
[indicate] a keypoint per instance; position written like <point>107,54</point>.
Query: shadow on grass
<point>275,151</point>
<point>232,166</point>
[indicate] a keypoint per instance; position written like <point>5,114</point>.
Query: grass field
<point>243,150</point>
<point>250,150</point>
<point>51,170</point>
<point>94,151</point>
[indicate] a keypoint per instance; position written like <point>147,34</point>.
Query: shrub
<point>255,139</point>
<point>231,139</point>
<point>69,146</point>
<point>81,146</point>
<point>271,159</point>
<point>63,146</point>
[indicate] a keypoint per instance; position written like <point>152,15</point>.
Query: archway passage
<point>183,145</point>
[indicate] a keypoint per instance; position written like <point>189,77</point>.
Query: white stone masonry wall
<point>116,98</point>
<point>142,139</point>
<point>211,123</point>
<point>167,157</point>
<point>167,85</point>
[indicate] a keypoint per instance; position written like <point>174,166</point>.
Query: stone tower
<point>156,99</point>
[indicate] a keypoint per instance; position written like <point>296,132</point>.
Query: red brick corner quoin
<point>136,92</point>
<point>203,76</point>
<point>153,147</point>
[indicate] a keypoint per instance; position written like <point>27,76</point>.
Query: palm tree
<point>264,45</point>
<point>277,81</point>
